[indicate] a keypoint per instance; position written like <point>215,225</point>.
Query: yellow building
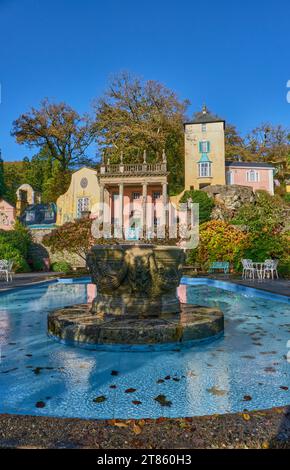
<point>204,150</point>
<point>81,196</point>
<point>26,196</point>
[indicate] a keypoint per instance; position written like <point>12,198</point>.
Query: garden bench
<point>132,234</point>
<point>221,265</point>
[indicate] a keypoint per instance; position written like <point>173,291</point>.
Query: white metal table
<point>259,269</point>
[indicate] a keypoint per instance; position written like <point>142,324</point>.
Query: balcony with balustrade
<point>134,169</point>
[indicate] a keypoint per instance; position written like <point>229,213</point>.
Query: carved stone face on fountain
<point>135,280</point>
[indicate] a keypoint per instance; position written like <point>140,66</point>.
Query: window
<point>156,195</point>
<point>83,205</point>
<point>30,216</point>
<point>204,169</point>
<point>49,215</point>
<point>253,176</point>
<point>136,195</point>
<point>204,146</point>
<point>23,195</point>
<point>203,128</point>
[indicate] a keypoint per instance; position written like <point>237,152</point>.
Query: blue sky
<point>233,55</point>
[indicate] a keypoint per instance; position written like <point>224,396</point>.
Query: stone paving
<point>27,279</point>
<point>277,286</point>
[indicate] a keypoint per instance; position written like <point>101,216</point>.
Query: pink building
<point>132,206</point>
<point>7,215</point>
<point>134,196</point>
<point>255,175</point>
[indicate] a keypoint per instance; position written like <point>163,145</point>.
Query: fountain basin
<point>76,325</point>
<point>136,302</point>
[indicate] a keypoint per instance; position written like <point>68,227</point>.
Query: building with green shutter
<point>204,150</point>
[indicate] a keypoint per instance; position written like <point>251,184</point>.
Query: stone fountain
<point>136,302</point>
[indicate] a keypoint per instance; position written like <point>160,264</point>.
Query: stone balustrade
<point>133,168</point>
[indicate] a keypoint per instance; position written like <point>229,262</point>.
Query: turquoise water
<point>245,369</point>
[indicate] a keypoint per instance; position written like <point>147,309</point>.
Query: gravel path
<point>259,429</point>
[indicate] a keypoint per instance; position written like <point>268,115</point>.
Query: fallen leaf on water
<point>270,369</point>
<point>99,399</point>
<point>216,391</point>
<point>265,353</point>
<point>162,400</point>
<point>137,402</point>
<point>160,381</point>
<point>191,374</point>
<point>130,390</point>
<point>40,404</point>
<point>114,372</point>
<point>283,387</point>
<point>247,398</point>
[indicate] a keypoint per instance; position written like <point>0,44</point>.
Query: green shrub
<point>14,245</point>
<point>206,204</point>
<point>287,198</point>
<point>61,267</point>
<point>19,238</point>
<point>268,246</point>
<point>37,265</point>
<point>284,267</point>
<point>266,214</point>
<point>9,252</point>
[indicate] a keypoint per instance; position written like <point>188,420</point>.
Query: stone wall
<point>39,251</point>
<point>228,199</point>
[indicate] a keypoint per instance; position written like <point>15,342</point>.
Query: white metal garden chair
<point>6,269</point>
<point>270,269</point>
<point>248,269</point>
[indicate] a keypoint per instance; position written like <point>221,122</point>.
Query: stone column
<point>144,202</point>
<point>121,209</point>
<point>101,209</point>
<point>165,209</point>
